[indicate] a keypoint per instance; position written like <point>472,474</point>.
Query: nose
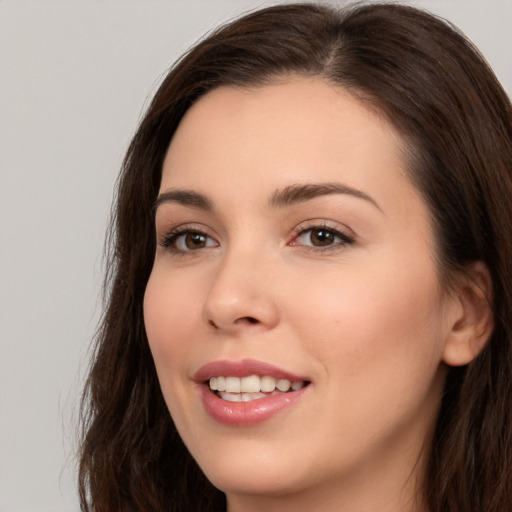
<point>242,296</point>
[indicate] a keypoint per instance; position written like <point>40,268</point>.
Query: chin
<point>253,472</point>
<point>253,483</point>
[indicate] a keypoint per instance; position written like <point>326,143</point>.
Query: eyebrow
<point>184,197</point>
<point>287,196</point>
<point>299,193</point>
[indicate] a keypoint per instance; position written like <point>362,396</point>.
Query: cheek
<point>374,321</point>
<point>379,339</point>
<point>169,318</point>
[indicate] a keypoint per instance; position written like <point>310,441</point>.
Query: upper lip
<point>243,368</point>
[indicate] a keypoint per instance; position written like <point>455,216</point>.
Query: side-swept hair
<point>456,122</point>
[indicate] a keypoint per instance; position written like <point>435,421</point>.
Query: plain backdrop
<point>75,76</point>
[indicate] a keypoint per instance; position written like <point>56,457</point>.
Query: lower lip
<point>247,413</point>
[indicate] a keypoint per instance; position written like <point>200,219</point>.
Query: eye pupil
<point>321,237</point>
<point>195,240</point>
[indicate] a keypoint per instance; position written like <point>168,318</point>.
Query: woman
<point>309,291</point>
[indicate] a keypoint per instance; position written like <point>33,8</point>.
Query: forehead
<point>288,122</point>
<point>239,147</point>
<point>299,130</point>
<point>295,104</point>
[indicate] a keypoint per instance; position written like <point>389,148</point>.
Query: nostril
<point>239,321</point>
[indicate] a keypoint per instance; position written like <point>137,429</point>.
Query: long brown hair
<point>456,121</point>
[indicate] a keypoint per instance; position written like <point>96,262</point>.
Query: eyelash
<point>344,238</point>
<point>171,238</point>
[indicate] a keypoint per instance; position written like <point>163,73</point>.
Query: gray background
<point>75,78</point>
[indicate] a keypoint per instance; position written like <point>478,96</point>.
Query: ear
<point>474,320</point>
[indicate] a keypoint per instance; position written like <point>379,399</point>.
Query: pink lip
<point>243,368</point>
<point>245,413</point>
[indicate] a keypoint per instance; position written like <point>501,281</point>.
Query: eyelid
<point>346,235</point>
<point>169,236</point>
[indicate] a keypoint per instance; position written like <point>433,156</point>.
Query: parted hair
<point>426,79</point>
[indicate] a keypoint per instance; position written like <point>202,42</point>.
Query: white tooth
<point>221,383</point>
<point>231,397</point>
<point>250,384</point>
<point>247,397</point>
<point>213,383</point>
<point>268,384</point>
<point>232,384</point>
<point>283,385</point>
<point>297,385</point>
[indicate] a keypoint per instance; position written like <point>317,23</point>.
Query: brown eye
<point>322,237</point>
<point>188,241</point>
<point>194,241</point>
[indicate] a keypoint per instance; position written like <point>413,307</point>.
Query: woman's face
<point>294,252</point>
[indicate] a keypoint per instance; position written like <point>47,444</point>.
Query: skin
<point>367,321</point>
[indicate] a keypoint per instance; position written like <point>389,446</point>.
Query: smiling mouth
<point>252,387</point>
